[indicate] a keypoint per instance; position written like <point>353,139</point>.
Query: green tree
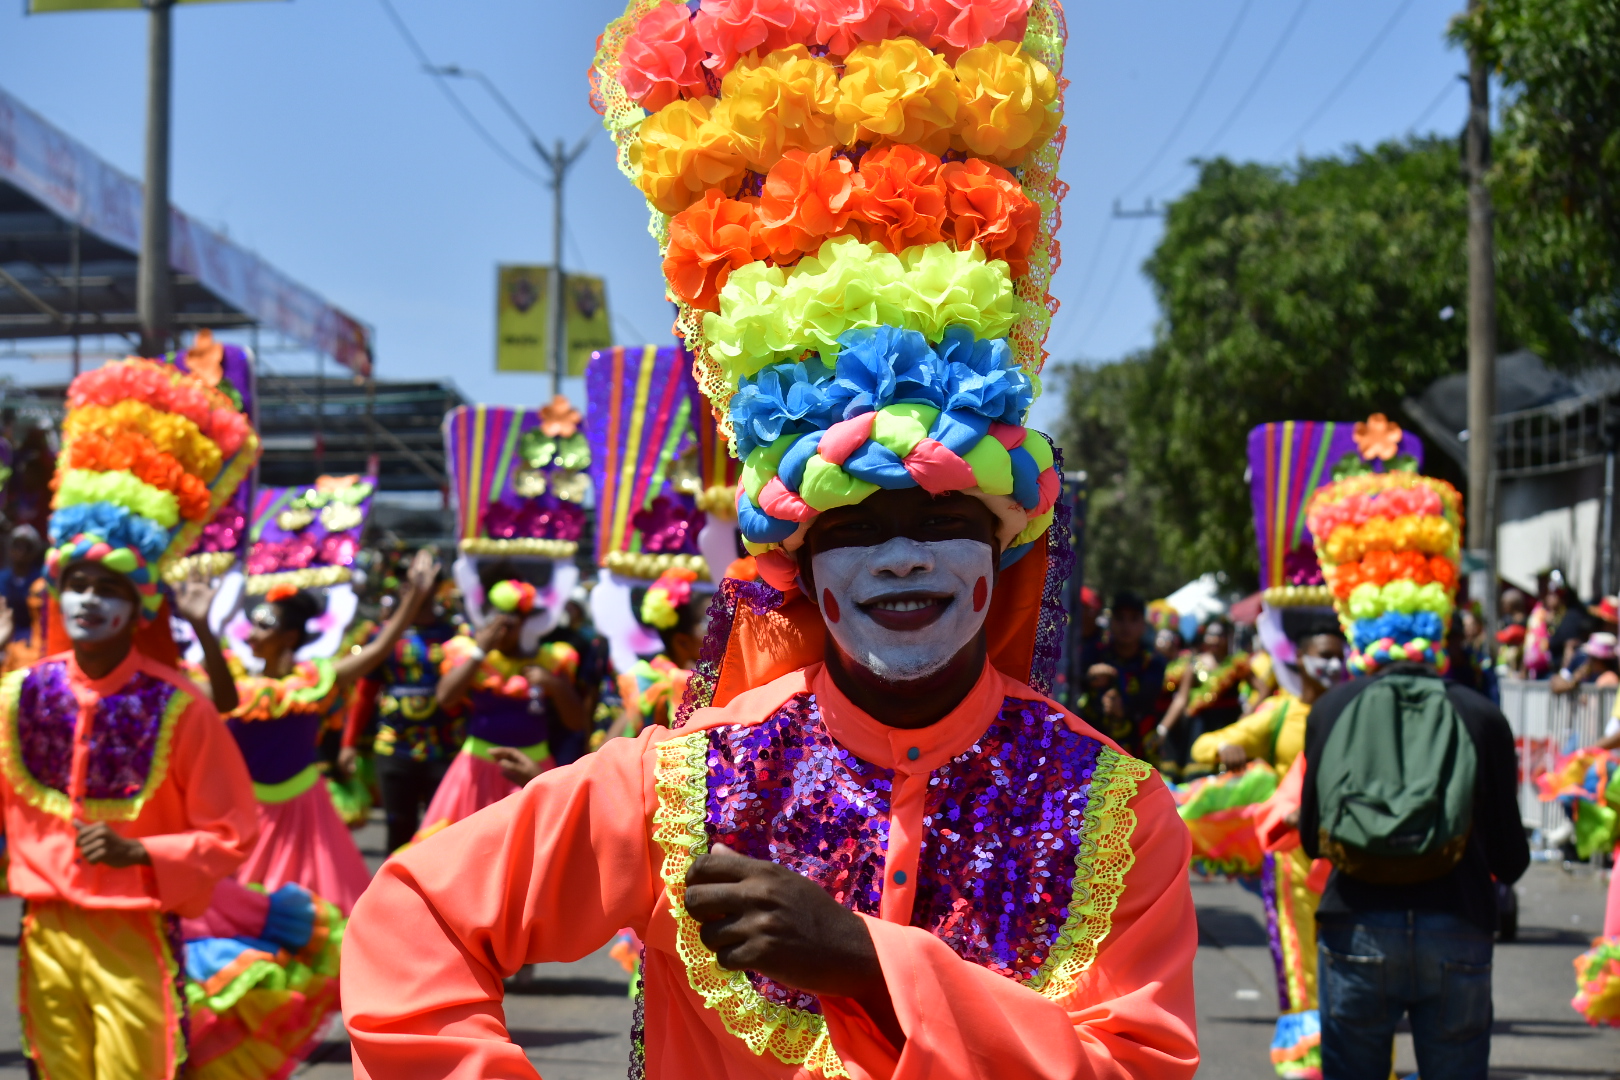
<point>1329,290</point>
<point>1558,149</point>
<point>1122,544</point>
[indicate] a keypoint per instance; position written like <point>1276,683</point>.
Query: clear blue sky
<point>309,132</point>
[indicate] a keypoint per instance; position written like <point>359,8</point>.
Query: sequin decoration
<point>128,743</point>
<point>784,791</point>
<point>1002,826</point>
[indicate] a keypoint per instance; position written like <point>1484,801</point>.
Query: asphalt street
<point>575,1022</point>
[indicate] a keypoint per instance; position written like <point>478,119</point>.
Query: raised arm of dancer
<point>419,581</point>
<point>563,696</point>
<point>458,680</point>
<point>192,600</point>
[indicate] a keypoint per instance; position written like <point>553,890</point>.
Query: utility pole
<point>1481,329</point>
<point>559,161</point>
<point>154,288</point>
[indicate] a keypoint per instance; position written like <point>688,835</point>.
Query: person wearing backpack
<point>1410,789</point>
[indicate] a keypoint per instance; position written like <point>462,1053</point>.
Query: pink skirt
<point>470,784</point>
<point>303,841</point>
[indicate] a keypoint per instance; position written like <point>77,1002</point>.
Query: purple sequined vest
<point>1003,823</point>
<point>127,742</point>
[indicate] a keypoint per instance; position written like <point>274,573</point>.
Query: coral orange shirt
<point>552,872</point>
<point>141,749</point>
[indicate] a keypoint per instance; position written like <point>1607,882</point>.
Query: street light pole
<point>1481,328</point>
<point>154,287</point>
<point>558,161</point>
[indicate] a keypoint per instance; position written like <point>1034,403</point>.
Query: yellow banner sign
<point>522,330</point>
<point>588,326</point>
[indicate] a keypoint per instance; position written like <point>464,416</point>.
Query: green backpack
<point>1395,783</point>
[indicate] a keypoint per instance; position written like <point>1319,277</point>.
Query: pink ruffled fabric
<point>470,784</point>
<point>303,841</point>
<point>662,59</point>
<point>730,29</point>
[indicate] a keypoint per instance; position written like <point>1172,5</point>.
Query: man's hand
<point>348,758</point>
<point>765,918</point>
<point>99,844</point>
<point>516,766</point>
<point>1232,756</point>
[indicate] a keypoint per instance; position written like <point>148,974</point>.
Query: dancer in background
<point>278,724</point>
<point>415,737</point>
<point>513,691</point>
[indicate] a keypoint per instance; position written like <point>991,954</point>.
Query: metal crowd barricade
<point>1547,726</point>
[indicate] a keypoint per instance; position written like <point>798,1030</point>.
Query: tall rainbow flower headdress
<point>857,208</point>
<point>150,453</point>
<point>1389,542</point>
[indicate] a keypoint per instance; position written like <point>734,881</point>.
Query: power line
<point>1197,98</point>
<point>1349,77</point>
<point>456,102</point>
<point>1119,272</point>
<point>1071,309</point>
<point>1265,70</point>
<point>1439,99</point>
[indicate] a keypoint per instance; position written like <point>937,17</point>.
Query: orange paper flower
<point>901,202</point>
<point>558,418</point>
<point>707,241</point>
<point>988,207</point>
<point>1378,437</point>
<point>807,199</point>
<point>132,452</point>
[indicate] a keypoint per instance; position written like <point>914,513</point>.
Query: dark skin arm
<point>452,690</point>
<point>423,573</point>
<point>192,599</point>
<point>759,916</point>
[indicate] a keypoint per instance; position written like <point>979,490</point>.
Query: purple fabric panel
<point>123,737</point>
<point>508,721</point>
<point>278,750</point>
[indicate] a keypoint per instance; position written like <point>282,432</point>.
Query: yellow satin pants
<point>99,993</point>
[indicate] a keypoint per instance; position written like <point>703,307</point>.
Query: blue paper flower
<point>982,377</point>
<point>784,399</point>
<point>114,524</point>
<point>881,366</point>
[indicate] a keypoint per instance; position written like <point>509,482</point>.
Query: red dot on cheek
<point>981,593</point>
<point>829,606</point>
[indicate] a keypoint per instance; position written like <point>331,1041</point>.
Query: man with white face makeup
<point>870,846</point>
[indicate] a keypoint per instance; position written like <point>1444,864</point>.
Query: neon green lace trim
<point>55,802</point>
<point>1100,866</point>
<point>793,1036</point>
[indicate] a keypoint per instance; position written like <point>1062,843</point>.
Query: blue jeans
<point>1375,966</point>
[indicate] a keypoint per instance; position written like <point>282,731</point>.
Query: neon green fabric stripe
<point>288,790</point>
<point>480,748</point>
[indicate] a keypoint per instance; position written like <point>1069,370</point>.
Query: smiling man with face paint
<point>870,846</point>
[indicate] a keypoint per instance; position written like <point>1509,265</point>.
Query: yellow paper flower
<point>1008,102</point>
<point>779,103</point>
<point>897,91</point>
<point>683,150</point>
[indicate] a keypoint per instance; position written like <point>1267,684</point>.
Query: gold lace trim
<point>1100,866</point>
<point>793,1036</point>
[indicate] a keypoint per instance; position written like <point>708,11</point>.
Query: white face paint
<point>904,608</point>
<point>90,617</point>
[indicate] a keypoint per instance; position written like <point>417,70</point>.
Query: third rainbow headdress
<point>1389,543</point>
<point>856,205</point>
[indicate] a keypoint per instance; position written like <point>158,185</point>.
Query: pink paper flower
<point>661,59</point>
